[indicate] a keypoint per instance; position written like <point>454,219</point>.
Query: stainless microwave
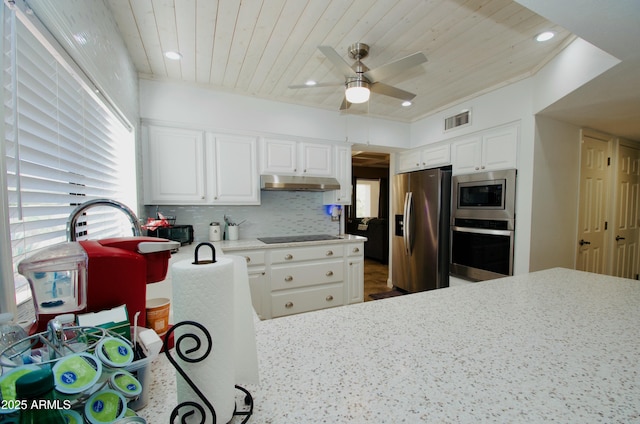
<point>485,195</point>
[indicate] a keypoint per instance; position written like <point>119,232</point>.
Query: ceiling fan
<point>360,80</point>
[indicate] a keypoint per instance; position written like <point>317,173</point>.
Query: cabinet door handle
<point>329,273</point>
<point>288,278</point>
<point>288,257</point>
<point>329,253</point>
<point>248,259</point>
<point>356,250</point>
<point>329,298</point>
<point>288,305</point>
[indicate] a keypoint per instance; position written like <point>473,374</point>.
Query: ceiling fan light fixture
<point>357,91</point>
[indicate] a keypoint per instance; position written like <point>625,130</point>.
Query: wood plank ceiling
<point>260,47</point>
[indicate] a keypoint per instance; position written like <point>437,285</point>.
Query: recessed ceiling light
<point>406,103</point>
<point>310,83</point>
<point>545,36</point>
<point>173,55</point>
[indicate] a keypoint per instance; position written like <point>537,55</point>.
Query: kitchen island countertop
<point>556,345</point>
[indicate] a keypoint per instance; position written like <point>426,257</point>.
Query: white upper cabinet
<point>424,158</point>
<point>173,166</point>
<point>491,150</point>
<point>343,175</point>
<point>190,167</point>
<point>316,159</point>
<point>232,170</point>
<point>286,157</point>
<point>279,157</point>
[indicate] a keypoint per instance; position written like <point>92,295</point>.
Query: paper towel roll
<point>205,294</point>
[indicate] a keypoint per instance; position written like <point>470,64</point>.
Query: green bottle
<point>40,406</point>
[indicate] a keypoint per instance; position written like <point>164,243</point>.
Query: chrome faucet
<point>75,214</point>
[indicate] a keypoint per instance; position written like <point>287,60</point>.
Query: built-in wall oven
<point>483,225</point>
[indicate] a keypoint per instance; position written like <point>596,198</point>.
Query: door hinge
<point>606,224</point>
<point>609,161</point>
<point>637,276</point>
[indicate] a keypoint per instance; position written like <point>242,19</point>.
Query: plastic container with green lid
<point>72,416</point>
<point>105,406</point>
<point>125,383</point>
<point>77,373</point>
<point>114,352</point>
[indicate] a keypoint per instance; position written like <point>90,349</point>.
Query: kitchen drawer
<point>291,276</point>
<point>296,254</point>
<point>306,299</point>
<point>356,249</point>
<point>253,257</point>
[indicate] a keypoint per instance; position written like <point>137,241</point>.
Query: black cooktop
<point>294,239</point>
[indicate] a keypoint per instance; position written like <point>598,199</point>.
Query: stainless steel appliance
<point>483,224</point>
<point>180,233</point>
<point>420,243</point>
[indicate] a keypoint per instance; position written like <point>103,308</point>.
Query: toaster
<point>180,233</point>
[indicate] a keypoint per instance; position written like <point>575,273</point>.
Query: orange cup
<point>158,314</point>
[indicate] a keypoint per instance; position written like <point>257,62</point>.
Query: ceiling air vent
<point>459,120</point>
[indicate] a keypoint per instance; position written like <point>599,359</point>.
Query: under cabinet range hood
<point>298,183</point>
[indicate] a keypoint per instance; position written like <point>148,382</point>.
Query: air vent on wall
<point>458,120</point>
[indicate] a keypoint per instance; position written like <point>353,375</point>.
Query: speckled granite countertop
<point>556,345</point>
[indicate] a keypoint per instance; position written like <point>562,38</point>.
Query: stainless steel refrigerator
<point>421,209</point>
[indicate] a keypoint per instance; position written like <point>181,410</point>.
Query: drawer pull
<point>248,259</point>
<point>329,273</point>
<point>356,249</point>
<point>288,305</point>
<point>329,252</point>
<point>289,257</point>
<point>329,298</point>
<point>288,278</point>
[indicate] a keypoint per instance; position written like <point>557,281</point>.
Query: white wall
<point>577,64</point>
<point>507,104</point>
<point>555,194</point>
<point>188,104</point>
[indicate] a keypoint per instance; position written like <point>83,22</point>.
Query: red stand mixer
<point>94,275</point>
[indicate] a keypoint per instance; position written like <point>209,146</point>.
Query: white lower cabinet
<point>355,273</point>
<point>289,302</point>
<point>257,271</point>
<point>291,280</point>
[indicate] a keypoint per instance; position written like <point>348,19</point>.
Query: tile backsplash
<point>281,213</point>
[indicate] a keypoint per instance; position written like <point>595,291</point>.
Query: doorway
<point>368,214</point>
<point>594,198</point>
<point>608,229</point>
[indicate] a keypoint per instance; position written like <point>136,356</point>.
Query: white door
<point>594,183</point>
<point>625,249</point>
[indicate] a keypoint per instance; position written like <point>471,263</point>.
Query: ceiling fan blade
<point>337,60</point>
<point>393,68</point>
<point>345,104</point>
<point>320,84</point>
<point>390,91</point>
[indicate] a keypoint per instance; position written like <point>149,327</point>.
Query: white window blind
<point>63,148</point>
